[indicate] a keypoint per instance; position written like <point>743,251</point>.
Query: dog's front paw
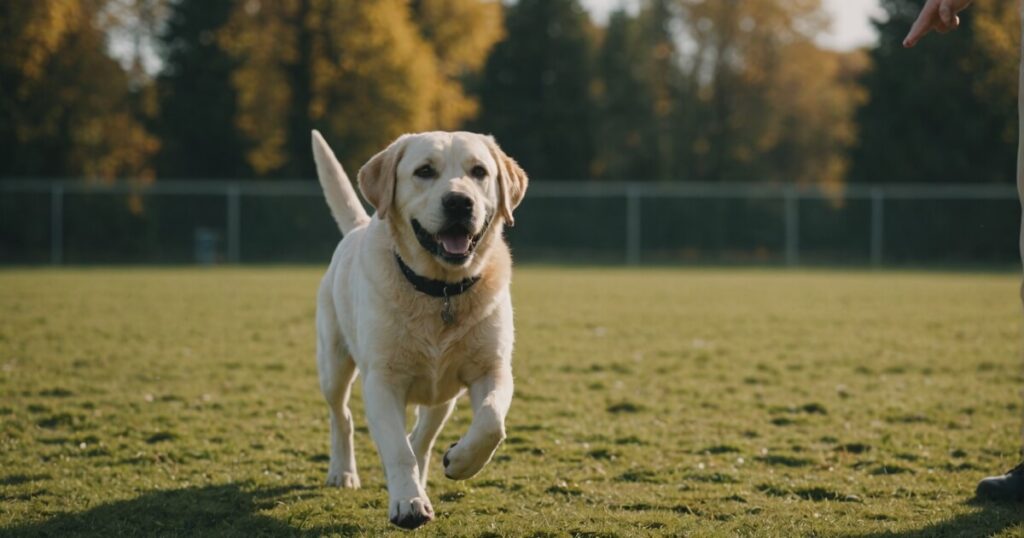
<point>462,462</point>
<point>410,513</point>
<point>343,479</point>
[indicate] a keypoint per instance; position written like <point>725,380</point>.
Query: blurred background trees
<point>67,108</point>
<point>709,90</point>
<point>536,88</point>
<point>947,113</point>
<point>198,105</point>
<point>363,72</point>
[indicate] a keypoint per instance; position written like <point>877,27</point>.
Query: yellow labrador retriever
<point>417,299</point>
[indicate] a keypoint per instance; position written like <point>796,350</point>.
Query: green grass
<point>648,402</point>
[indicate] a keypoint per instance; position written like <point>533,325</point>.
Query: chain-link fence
<point>74,222</point>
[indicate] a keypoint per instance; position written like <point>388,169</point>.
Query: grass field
<point>648,402</point>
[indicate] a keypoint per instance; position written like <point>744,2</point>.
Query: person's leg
<point>1010,486</point>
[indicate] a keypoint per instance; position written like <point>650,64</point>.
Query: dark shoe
<point>1007,488</point>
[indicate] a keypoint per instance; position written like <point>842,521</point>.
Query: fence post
<point>792,216</point>
<point>57,224</point>
<point>877,225</point>
<point>632,226</point>
<point>234,223</point>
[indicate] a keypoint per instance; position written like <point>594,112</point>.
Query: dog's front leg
<point>491,396</point>
<point>408,505</point>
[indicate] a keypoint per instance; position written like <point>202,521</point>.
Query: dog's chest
<point>436,368</point>
<point>439,358</point>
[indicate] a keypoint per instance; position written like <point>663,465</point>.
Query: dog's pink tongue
<point>455,244</point>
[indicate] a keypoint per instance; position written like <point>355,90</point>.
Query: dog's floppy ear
<point>512,181</point>
<point>378,176</point>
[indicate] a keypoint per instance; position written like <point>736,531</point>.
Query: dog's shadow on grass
<point>223,510</point>
<point>987,519</point>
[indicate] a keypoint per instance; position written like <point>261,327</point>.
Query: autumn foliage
<point>706,90</point>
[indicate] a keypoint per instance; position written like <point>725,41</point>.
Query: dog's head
<point>447,191</point>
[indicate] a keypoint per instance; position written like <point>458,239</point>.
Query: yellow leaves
<point>33,31</point>
<point>461,32</point>
<point>66,92</point>
<point>386,82</point>
<point>262,36</point>
<point>365,71</point>
<point>262,99</point>
<point>816,92</point>
<point>114,146</point>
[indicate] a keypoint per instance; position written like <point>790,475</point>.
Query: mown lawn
<point>648,402</point>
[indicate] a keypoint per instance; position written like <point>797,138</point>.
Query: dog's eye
<point>425,172</point>
<point>478,172</point>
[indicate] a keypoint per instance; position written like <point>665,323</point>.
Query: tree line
<point>699,90</point>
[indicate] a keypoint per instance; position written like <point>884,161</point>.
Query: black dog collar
<point>435,288</point>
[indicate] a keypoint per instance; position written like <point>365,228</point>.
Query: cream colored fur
<point>371,320</point>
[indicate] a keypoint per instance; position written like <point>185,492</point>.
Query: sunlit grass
<point>697,402</point>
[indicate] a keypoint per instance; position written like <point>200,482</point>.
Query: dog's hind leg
<point>342,468</point>
<point>337,371</point>
<point>429,421</point>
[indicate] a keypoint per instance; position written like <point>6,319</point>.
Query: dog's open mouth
<point>455,240</point>
<point>454,243</point>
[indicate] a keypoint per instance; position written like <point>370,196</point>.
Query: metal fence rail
<point>786,202</point>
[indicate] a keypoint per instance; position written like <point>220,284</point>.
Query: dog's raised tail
<point>348,212</point>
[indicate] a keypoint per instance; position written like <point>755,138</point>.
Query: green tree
<point>536,90</point>
<point>197,101</point>
<point>669,100</point>
<point>639,95</point>
<point>625,147</point>
<point>944,111</point>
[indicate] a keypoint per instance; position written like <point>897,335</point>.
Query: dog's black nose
<point>457,206</point>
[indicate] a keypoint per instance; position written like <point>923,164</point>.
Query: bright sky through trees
<point>851,26</point>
